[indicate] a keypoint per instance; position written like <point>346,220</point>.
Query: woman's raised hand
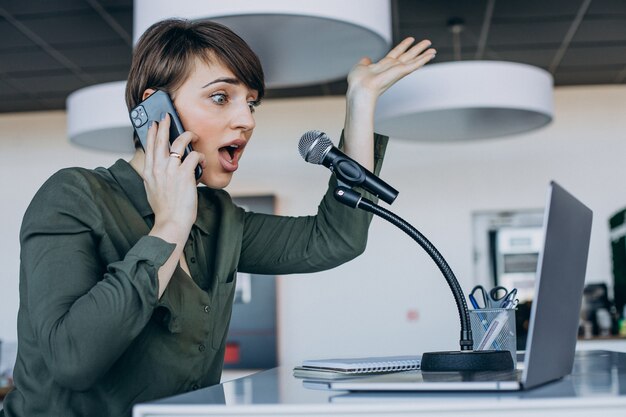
<point>376,77</point>
<point>366,82</point>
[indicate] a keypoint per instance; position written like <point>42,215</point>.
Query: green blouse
<point>94,339</point>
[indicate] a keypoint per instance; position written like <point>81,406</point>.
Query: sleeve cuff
<point>152,249</point>
<point>380,147</point>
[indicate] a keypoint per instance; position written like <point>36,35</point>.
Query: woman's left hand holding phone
<point>171,190</point>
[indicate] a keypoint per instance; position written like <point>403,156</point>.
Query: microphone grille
<point>313,145</point>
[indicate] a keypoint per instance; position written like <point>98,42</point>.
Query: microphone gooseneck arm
<point>353,199</point>
<point>316,148</point>
<point>466,359</point>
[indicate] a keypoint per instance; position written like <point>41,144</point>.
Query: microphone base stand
<point>467,359</point>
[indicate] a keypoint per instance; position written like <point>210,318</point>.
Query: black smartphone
<point>150,110</point>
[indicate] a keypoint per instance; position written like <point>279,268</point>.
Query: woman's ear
<point>147,93</point>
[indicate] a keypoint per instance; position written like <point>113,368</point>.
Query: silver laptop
<point>554,318</point>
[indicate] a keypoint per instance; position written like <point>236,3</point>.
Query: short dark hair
<point>164,56</point>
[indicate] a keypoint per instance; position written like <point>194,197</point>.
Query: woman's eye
<point>253,105</point>
<point>219,98</point>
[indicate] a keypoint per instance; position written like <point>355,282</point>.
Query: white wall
<point>361,308</point>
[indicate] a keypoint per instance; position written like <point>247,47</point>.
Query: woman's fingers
<point>162,145</point>
<point>419,60</point>
<point>180,144</point>
<point>414,56</point>
<point>415,51</point>
<point>160,153</point>
<point>149,151</point>
<point>157,147</point>
<point>400,48</point>
<point>178,148</point>
<point>191,160</point>
<point>396,72</point>
<point>404,52</point>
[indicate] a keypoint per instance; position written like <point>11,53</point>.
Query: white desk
<point>597,387</point>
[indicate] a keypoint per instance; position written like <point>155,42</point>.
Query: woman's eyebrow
<point>228,80</point>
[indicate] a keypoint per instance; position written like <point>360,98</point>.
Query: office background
<point>391,300</point>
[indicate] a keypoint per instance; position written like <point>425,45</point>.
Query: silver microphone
<point>315,147</point>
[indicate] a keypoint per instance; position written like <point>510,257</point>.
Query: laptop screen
<point>553,329</point>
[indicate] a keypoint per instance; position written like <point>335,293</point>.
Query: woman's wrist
<point>170,231</point>
<point>361,98</point>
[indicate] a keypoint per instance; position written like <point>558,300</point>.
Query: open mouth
<point>229,156</point>
<point>232,151</point>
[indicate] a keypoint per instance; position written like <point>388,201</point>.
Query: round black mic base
<point>467,361</point>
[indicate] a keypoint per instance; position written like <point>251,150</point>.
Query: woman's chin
<point>216,182</point>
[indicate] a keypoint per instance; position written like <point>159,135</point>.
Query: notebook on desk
<point>553,328</point>
<point>344,368</point>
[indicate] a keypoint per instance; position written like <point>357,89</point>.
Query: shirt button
<point>193,260</point>
<point>207,309</point>
<point>195,387</point>
<point>201,348</point>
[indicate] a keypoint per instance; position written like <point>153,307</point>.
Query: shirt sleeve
<point>83,314</point>
<point>283,245</point>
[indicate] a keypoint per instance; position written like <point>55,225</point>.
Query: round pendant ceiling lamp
<point>465,100</point>
<point>298,42</point>
<point>97,118</point>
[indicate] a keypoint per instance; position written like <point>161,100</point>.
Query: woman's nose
<point>244,119</point>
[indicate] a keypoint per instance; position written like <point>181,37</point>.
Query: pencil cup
<point>494,329</point>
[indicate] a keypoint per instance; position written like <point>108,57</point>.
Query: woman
<point>127,273</point>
